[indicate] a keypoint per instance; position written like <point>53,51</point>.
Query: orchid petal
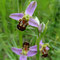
<point>16,16</point>
<point>31,8</point>
<point>31,53</point>
<point>47,48</point>
<point>33,22</point>
<point>33,48</point>
<point>23,57</point>
<point>43,26</point>
<point>17,51</point>
<point>37,20</point>
<point>40,27</point>
<point>41,43</point>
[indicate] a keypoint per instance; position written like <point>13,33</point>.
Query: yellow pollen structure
<point>44,46</point>
<point>24,52</point>
<point>20,24</point>
<point>26,17</point>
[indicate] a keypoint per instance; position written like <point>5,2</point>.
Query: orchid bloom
<point>25,52</point>
<point>43,48</point>
<point>25,18</point>
<point>40,26</point>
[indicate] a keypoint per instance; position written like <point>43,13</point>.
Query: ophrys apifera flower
<point>25,18</point>
<point>24,52</point>
<point>42,47</point>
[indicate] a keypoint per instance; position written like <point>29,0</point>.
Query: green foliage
<point>10,36</point>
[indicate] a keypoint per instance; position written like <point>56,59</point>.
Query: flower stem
<point>37,41</point>
<point>20,38</point>
<point>37,50</point>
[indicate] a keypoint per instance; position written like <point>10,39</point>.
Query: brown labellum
<point>22,24</point>
<point>45,55</point>
<point>44,52</point>
<point>26,46</point>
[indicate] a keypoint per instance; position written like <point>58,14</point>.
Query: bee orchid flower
<point>40,26</point>
<point>43,48</point>
<point>25,52</point>
<point>25,18</point>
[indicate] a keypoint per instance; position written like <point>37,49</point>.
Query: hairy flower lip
<point>45,55</point>
<point>22,24</point>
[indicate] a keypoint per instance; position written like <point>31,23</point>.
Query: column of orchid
<point>25,19</point>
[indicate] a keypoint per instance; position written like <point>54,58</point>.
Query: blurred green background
<point>10,36</point>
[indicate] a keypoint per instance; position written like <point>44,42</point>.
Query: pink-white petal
<point>31,53</point>
<point>33,48</point>
<point>41,43</point>
<point>31,8</point>
<point>23,57</point>
<point>33,22</point>
<point>16,16</point>
<point>41,27</point>
<point>17,51</point>
<point>47,48</point>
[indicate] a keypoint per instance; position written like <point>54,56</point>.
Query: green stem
<point>38,40</point>
<point>20,33</point>
<point>37,50</point>
<point>37,47</point>
<point>20,38</point>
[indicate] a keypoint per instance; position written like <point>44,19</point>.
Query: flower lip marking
<point>44,49</point>
<point>25,48</point>
<point>45,55</point>
<point>44,52</point>
<point>22,24</point>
